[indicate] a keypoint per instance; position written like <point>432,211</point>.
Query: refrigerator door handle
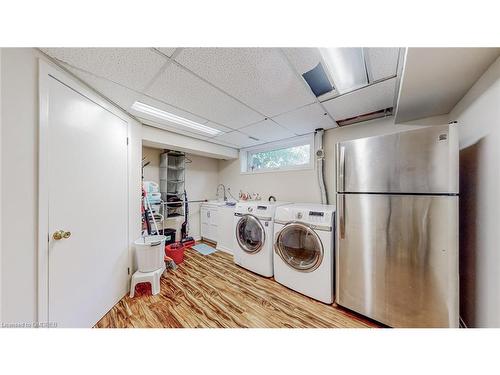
<point>342,168</point>
<point>342,216</point>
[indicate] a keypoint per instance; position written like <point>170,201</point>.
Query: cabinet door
<point>214,222</point>
<point>205,230</point>
<point>205,222</point>
<point>205,215</point>
<point>214,217</point>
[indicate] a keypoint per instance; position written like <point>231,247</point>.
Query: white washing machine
<point>253,229</point>
<point>304,249</point>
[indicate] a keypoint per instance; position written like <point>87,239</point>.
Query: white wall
<point>201,181</point>
<point>19,191</point>
<point>158,138</point>
<point>302,186</point>
<point>478,116</point>
<point>19,184</point>
<point>1,178</point>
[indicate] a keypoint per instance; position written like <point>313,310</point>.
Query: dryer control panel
<point>313,217</point>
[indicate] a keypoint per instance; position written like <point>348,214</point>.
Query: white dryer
<point>253,229</point>
<point>304,249</point>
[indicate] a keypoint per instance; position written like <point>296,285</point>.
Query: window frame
<point>287,143</point>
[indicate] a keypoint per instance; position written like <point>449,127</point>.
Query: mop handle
<point>152,216</point>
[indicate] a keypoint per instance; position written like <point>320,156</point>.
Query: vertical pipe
<point>320,161</point>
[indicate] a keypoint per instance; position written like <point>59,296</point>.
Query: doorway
<point>83,233</point>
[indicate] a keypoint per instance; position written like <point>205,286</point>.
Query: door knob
<point>61,234</point>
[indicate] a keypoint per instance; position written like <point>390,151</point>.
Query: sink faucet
<point>224,190</point>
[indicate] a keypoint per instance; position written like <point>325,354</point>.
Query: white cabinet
<point>209,222</point>
<point>225,237</point>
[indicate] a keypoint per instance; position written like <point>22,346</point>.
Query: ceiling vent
<point>365,117</point>
<point>317,80</point>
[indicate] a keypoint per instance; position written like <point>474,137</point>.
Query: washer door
<point>299,246</point>
<point>250,234</point>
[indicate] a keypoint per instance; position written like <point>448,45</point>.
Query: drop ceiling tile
<point>306,119</point>
<point>365,100</point>
<point>381,62</point>
<point>167,51</point>
<point>236,138</point>
<point>260,77</point>
<point>125,97</point>
<point>303,59</point>
<point>222,128</point>
<point>328,95</point>
<point>184,90</point>
<point>267,131</point>
<point>131,67</point>
<point>118,94</point>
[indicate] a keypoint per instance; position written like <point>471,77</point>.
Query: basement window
<point>295,154</point>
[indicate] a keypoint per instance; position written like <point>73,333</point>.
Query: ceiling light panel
<point>262,78</point>
<point>346,67</point>
<point>173,118</point>
<point>365,100</point>
<point>132,67</point>
<point>173,129</point>
<point>305,120</point>
<point>223,129</point>
<point>381,62</point>
<point>184,90</point>
<point>166,108</point>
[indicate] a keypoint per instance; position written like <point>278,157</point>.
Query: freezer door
<point>397,258</point>
<point>421,161</point>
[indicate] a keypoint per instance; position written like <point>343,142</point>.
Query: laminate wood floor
<point>211,291</point>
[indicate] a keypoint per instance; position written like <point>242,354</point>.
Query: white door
<point>87,173</point>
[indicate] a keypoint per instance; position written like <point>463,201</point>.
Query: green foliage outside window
<point>280,158</point>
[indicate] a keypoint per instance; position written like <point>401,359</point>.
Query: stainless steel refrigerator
<point>397,227</point>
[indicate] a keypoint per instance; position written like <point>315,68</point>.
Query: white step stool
<point>147,277</point>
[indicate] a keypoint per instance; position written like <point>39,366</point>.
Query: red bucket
<point>176,252</point>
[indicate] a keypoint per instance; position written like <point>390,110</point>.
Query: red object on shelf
<point>176,252</point>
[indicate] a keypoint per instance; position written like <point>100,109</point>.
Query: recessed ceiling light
<point>155,112</point>
<point>346,67</point>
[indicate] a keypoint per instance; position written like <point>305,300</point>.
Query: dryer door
<point>250,234</point>
<point>299,246</point>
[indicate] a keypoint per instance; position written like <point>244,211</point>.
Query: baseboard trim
<point>224,249</point>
